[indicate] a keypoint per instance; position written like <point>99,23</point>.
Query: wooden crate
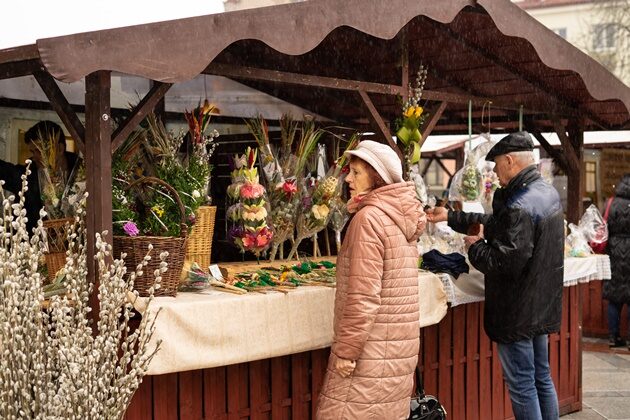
<point>459,363</point>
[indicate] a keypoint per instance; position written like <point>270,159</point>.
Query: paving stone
<point>585,414</point>
<point>592,361</point>
<point>617,408</point>
<point>605,381</point>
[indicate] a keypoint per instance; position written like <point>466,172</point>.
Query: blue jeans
<point>528,377</point>
<point>614,318</point>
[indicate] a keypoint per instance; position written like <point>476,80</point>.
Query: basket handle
<point>183,227</point>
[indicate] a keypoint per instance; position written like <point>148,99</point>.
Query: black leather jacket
<point>522,258</point>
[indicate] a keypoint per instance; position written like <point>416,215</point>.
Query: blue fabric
<point>528,377</point>
<point>436,262</point>
<point>614,319</point>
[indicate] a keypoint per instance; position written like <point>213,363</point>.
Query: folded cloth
<point>436,262</point>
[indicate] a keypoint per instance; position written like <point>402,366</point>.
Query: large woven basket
<point>136,247</point>
<point>199,244</point>
<point>57,239</point>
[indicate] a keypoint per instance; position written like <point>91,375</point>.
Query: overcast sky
<point>23,22</point>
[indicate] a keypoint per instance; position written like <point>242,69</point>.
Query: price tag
<point>215,272</point>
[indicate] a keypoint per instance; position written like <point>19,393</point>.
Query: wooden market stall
<point>348,62</point>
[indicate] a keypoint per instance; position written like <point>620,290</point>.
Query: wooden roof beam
<point>572,159</point>
<point>538,84</point>
<point>146,105</point>
<point>554,153</point>
<point>252,73</point>
<point>378,123</point>
<point>20,68</point>
<point>62,107</point>
<point>433,120</point>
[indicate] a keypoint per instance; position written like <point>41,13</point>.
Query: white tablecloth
<point>468,288</point>
<point>210,329</point>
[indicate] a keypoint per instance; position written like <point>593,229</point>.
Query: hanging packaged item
<point>467,183</point>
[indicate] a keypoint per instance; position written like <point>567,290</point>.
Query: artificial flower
<point>251,191</point>
<point>234,233</point>
<point>289,188</point>
<point>131,229</point>
<point>320,211</point>
<point>251,175</point>
<point>254,213</point>
<point>240,161</point>
<point>233,212</point>
<point>158,210</point>
<point>196,194</point>
<point>233,190</point>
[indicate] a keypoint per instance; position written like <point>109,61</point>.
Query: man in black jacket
<point>519,248</point>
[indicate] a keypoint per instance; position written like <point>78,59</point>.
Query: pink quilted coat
<point>376,309</point>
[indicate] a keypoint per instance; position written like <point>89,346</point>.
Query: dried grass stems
<point>55,362</point>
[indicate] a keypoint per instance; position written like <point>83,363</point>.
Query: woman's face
<point>358,178</point>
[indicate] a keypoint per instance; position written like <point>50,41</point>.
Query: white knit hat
<point>382,158</point>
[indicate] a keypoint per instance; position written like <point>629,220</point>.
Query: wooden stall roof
<point>484,50</point>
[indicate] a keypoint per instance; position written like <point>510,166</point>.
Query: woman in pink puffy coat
<point>376,330</point>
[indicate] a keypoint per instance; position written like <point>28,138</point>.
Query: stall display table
<point>469,287</point>
<point>457,358</point>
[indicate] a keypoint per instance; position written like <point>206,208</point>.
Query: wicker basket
<point>57,238</point>
<point>200,240</point>
<point>136,247</point>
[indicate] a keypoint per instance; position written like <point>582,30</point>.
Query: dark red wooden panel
<point>473,380</point>
<point>260,390</point>
<point>215,393</point>
<point>141,406</point>
<point>190,389</point>
<point>445,358</point>
<point>319,362</point>
<point>165,402</point>
<point>280,388</point>
<point>300,386</point>
<point>459,362</point>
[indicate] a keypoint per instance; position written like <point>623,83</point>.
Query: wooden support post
<point>576,180</point>
<point>98,161</point>
<point>62,107</point>
<point>160,106</point>
<point>379,124</point>
<point>572,144</point>
<point>404,63</point>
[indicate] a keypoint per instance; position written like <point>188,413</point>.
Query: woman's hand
<point>437,214</point>
<point>345,367</point>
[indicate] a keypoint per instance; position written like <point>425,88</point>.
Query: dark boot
<point>616,341</point>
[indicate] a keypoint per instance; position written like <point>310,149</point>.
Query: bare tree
<point>608,40</point>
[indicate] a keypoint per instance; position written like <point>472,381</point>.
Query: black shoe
<point>616,342</point>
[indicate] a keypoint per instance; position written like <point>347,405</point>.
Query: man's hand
<point>345,367</point>
<point>437,214</point>
<point>469,240</point>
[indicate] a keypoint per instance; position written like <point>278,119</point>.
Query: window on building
<point>604,36</point>
<point>562,32</point>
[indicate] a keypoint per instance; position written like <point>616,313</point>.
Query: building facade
<point>598,27</point>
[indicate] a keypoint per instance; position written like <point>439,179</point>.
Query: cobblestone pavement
<point>605,382</point>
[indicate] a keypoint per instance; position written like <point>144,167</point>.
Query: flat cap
<point>516,142</point>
